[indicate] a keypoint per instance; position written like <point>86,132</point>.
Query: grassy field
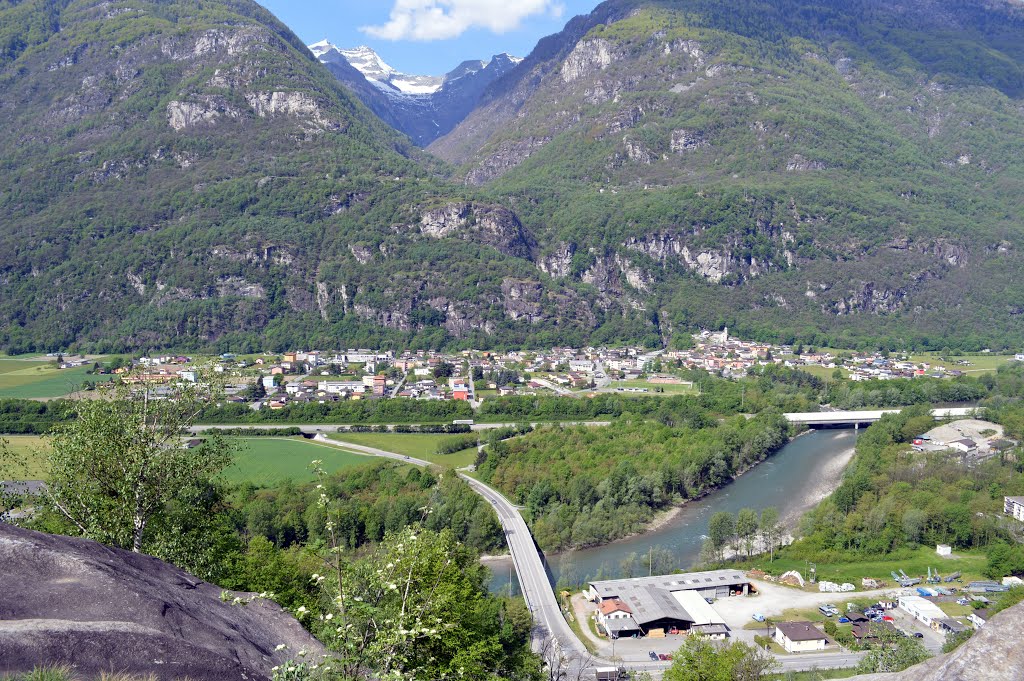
<point>27,460</point>
<point>260,460</point>
<point>979,363</point>
<point>269,460</point>
<point>40,379</point>
<point>669,388</point>
<point>823,372</point>
<point>419,445</point>
<point>916,565</point>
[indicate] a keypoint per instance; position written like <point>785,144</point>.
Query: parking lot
<point>772,600</point>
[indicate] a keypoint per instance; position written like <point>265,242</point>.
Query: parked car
<point>844,620</point>
<point>758,617</point>
<point>918,634</point>
<point>654,655</point>
<point>662,656</point>
<point>887,618</point>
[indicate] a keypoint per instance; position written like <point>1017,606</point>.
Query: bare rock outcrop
<point>495,226</point>
<point>588,56</point>
<point>868,297</point>
<point>994,653</point>
<point>507,155</point>
<point>80,603</point>
<point>684,140</point>
<point>203,110</point>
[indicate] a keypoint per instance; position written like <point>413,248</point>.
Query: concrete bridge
<point>846,419</point>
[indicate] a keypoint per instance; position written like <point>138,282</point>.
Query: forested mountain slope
<point>184,173</point>
<point>844,172</point>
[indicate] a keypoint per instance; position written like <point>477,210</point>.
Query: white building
<point>963,445</point>
<point>584,365</point>
<point>799,637</point>
<point>1014,507</point>
<point>922,610</point>
<point>944,550</point>
<point>338,387</point>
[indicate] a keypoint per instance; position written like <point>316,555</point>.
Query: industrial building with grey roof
<point>670,601</point>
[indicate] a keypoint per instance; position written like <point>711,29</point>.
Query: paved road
<point>808,661</point>
<point>551,626</point>
<point>808,418</point>
<point>533,578</point>
<point>341,428</point>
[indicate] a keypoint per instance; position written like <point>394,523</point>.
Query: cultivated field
<point>24,458</point>
<point>418,445</point>
<point>268,461</point>
<point>39,379</point>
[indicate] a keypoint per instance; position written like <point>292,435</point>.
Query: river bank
<point>803,472</point>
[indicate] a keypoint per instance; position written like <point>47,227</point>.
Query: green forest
<point>586,486</point>
<point>201,219</point>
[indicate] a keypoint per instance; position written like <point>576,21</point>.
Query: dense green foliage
<point>894,653</point>
<point>585,486</point>
<point>417,608</point>
<point>30,417</point>
<point>893,499</point>
<point>852,168</point>
<point>700,659</point>
<point>855,171</point>
<point>371,501</point>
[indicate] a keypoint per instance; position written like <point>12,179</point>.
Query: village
<point>303,376</point>
<point>318,376</point>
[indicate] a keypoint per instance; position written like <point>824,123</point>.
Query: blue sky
<point>429,37</point>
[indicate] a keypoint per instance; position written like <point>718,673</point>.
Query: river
<point>793,480</point>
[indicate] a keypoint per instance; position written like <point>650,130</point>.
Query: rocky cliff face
<point>492,225</point>
<point>78,603</point>
<point>664,149</point>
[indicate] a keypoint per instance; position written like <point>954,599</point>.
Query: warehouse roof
<point>610,588</point>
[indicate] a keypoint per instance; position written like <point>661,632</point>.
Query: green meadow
<point>267,461</point>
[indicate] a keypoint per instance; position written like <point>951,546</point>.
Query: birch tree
<point>118,465</point>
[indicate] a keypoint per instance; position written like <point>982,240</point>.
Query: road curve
<point>533,579</point>
<point>539,593</point>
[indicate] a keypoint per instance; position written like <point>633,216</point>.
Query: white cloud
<point>442,19</point>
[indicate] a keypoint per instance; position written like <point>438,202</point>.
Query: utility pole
<point>650,560</point>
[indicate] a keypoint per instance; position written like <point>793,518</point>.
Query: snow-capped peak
<point>365,60</point>
<point>368,62</point>
<point>323,47</point>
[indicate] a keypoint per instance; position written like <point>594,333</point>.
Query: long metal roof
<point>651,598</point>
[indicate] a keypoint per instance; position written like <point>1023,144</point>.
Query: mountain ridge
<point>423,107</point>
<point>191,176</point>
<point>776,168</point>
